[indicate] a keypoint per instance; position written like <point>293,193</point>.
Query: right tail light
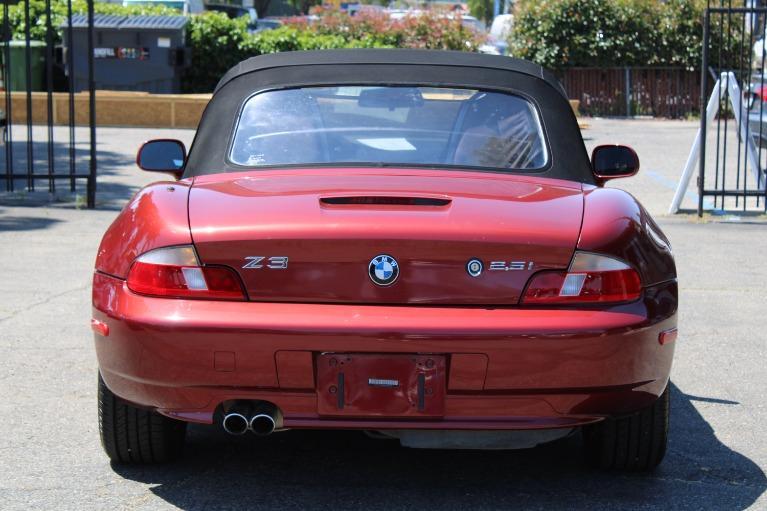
<point>591,278</point>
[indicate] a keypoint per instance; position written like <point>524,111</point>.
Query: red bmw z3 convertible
<point>410,243</point>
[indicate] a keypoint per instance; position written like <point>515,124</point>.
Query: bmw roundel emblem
<point>383,270</point>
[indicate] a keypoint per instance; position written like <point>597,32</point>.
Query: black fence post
<point>8,103</point>
<point>703,88</point>
<point>49,94</point>
<point>91,111</point>
<point>71,98</point>
<point>627,80</point>
<point>28,69</point>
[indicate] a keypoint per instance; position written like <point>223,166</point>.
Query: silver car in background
<point>755,105</point>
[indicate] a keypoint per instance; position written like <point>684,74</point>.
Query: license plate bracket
<point>381,385</point>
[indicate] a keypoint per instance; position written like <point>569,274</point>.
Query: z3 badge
<point>273,263</point>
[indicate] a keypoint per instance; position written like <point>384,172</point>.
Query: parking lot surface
<point>51,457</point>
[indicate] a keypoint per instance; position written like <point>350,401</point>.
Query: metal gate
<point>49,132</point>
<point>732,158</point>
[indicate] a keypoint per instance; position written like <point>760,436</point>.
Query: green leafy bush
<point>609,33</point>
<point>560,33</point>
<point>217,43</point>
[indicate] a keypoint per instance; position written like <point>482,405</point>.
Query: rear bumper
<point>508,368</point>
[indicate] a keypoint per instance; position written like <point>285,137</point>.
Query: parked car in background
<point>341,249</point>
<point>398,14</point>
<point>473,23</point>
<point>237,11</point>
<point>755,105</point>
<point>489,48</point>
<point>268,24</point>
<point>355,8</point>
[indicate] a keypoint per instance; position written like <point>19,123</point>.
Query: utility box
<point>17,50</point>
<point>136,53</point>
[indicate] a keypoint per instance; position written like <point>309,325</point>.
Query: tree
<point>262,7</point>
<point>482,9</point>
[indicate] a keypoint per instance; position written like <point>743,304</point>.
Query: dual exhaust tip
<point>262,421</point>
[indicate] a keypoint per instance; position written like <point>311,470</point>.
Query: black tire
<point>633,443</point>
<point>135,435</point>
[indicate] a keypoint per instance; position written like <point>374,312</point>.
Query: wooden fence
<point>627,91</point>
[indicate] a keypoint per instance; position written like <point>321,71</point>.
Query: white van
<point>500,31</point>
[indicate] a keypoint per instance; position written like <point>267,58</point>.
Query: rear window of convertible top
<point>390,125</point>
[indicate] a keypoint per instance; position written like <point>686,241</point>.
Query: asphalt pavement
<point>51,457</point>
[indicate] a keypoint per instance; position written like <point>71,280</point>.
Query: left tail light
<point>591,278</point>
<point>175,272</point>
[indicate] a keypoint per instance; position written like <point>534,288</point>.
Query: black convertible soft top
<point>568,157</point>
<point>389,56</point>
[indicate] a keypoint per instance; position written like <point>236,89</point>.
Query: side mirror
<point>613,161</point>
<point>162,155</point>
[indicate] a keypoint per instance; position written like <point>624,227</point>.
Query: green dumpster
<point>18,80</point>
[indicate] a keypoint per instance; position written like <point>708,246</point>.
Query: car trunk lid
<point>310,235</point>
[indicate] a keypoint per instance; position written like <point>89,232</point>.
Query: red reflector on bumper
<point>667,336</point>
<point>100,327</point>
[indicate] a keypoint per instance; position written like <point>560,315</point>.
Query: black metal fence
<point>732,151</point>
<point>33,148</point>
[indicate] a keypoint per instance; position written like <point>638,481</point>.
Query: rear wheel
<point>636,442</point>
<point>134,435</point>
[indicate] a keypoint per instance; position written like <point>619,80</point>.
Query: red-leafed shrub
<point>432,29</point>
<point>218,43</point>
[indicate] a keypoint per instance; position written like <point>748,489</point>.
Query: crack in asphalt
<point>42,302</point>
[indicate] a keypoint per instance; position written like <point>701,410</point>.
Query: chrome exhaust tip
<point>262,424</point>
<point>235,424</point>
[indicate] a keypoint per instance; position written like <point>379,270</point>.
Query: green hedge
<point>608,33</point>
<point>59,15</point>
